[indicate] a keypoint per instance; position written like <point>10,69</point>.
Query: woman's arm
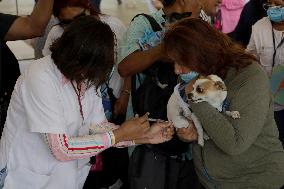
<point>105,127</point>
<point>26,27</point>
<point>138,61</point>
<point>234,136</point>
<point>131,59</point>
<point>120,107</point>
<point>65,148</point>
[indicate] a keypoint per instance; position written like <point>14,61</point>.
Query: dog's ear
<point>215,78</point>
<point>220,85</point>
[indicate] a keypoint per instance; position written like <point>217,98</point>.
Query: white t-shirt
<point>261,44</point>
<point>43,101</point>
<point>117,27</point>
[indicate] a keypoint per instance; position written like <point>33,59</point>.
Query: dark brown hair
<point>85,51</point>
<point>195,44</point>
<point>167,3</point>
<point>86,4</point>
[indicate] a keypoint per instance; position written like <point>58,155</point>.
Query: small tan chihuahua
<point>209,89</point>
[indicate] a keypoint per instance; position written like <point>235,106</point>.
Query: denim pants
<point>3,174</point>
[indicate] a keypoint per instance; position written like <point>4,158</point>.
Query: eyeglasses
<point>266,6</point>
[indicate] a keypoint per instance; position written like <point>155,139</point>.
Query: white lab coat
<point>44,102</point>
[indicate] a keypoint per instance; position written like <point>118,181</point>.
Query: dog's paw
<point>201,142</point>
<point>180,122</point>
<point>235,114</point>
<point>205,136</point>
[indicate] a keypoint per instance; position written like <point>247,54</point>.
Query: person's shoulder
<point>40,69</point>
<point>255,73</point>
<point>159,15</point>
<point>250,77</point>
<point>139,19</point>
<point>142,22</point>
<point>262,23</point>
<point>56,30</point>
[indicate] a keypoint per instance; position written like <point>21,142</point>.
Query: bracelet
<point>112,137</point>
<point>126,92</point>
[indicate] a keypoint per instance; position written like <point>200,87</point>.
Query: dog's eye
<point>199,90</point>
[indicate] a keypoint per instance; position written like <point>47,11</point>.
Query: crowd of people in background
<point>91,110</point>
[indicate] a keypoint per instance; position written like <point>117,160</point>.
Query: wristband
<point>112,137</point>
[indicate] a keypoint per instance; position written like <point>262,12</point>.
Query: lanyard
<point>78,93</point>
<point>275,48</point>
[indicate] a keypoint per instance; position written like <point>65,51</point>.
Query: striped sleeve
<point>65,148</point>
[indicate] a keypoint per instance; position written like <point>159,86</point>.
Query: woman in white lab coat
<point>56,121</point>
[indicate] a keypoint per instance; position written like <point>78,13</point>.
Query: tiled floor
<point>125,12</point>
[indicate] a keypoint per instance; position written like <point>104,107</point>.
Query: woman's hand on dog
<point>188,134</point>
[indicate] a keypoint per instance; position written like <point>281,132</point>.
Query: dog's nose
<point>189,96</point>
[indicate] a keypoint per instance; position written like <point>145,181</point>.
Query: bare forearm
<point>139,61</point>
<point>26,27</point>
<point>127,84</point>
<point>41,13</point>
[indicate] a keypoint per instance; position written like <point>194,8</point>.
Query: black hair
<point>85,51</point>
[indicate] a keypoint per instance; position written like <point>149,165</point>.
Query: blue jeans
<point>279,118</point>
<point>3,174</point>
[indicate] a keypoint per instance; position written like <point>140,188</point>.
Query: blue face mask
<point>275,13</point>
<point>188,76</point>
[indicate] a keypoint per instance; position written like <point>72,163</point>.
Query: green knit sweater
<point>245,152</point>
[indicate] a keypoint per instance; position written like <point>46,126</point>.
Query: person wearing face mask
<point>56,120</point>
<point>266,43</point>
<point>170,166</point>
<point>251,13</point>
<point>240,153</point>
